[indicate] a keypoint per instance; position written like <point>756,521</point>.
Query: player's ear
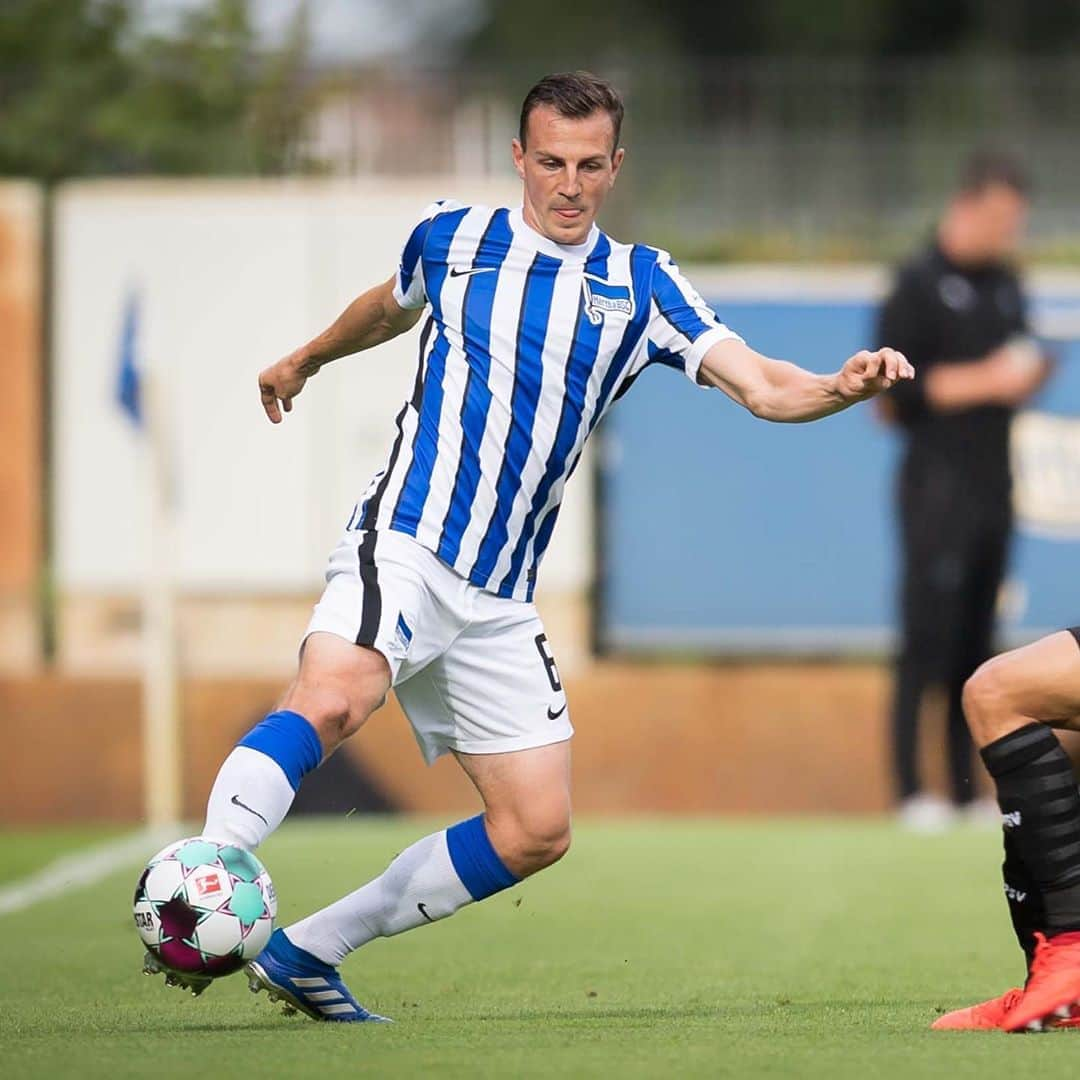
<point>518,153</point>
<point>616,163</point>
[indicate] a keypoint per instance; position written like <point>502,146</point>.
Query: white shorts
<point>472,670</point>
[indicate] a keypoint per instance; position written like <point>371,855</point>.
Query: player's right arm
<point>372,318</point>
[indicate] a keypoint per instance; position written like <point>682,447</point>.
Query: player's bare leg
<point>1011,703</point>
<point>524,828</point>
<point>526,804</point>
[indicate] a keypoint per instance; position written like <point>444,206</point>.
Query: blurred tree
<point>83,91</point>
<point>205,99</point>
<point>58,63</point>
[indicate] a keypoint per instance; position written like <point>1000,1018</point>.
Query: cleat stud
<point>287,1009</point>
<point>1063,1012</point>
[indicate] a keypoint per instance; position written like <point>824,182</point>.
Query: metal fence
<point>807,157</point>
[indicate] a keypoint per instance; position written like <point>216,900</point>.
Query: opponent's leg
<point>339,685</point>
<point>1021,888</point>
<point>1010,701</point>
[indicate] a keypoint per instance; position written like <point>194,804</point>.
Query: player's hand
<point>868,373</point>
<point>281,382</point>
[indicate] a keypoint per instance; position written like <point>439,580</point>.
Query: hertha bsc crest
<point>602,297</point>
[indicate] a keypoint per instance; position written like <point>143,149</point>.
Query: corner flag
<point>138,392</point>
<point>128,388</point>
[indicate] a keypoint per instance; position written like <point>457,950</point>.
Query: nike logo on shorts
<point>421,909</point>
<point>556,715</point>
<point>236,802</point>
<point>458,271</point>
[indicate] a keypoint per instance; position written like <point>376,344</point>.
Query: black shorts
<point>1075,631</point>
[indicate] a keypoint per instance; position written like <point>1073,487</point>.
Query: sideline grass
<point>22,851</point>
<point>657,949</point>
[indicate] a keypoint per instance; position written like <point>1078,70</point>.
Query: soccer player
<point>1012,702</point>
<point>534,322</point>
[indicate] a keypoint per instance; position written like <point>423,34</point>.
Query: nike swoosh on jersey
<point>465,271</point>
<point>556,715</point>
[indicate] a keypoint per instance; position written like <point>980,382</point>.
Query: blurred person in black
<point>957,311</point>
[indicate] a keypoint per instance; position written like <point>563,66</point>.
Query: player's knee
<point>537,840</point>
<point>325,708</point>
<point>552,842</point>
<point>333,710</point>
<point>338,687</point>
<point>986,701</point>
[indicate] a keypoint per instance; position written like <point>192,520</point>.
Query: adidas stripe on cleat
<point>303,983</point>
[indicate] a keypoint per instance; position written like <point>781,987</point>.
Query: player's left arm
<point>783,392</point>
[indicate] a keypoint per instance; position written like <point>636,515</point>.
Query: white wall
<point>231,276</point>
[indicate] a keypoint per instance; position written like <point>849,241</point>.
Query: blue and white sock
<point>257,782</point>
<point>428,881</point>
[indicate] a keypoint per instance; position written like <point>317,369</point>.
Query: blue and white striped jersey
<point>526,345</point>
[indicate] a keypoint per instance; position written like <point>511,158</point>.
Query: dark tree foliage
<point>855,28</point>
<point>83,92</point>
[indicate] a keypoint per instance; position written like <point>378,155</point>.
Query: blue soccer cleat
<point>303,982</point>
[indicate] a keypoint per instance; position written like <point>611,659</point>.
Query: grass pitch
<point>656,949</point>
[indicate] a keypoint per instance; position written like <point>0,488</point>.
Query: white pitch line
<point>82,869</point>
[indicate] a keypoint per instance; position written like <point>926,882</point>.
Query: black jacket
<point>939,312</point>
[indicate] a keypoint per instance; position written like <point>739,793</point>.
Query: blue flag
<point>127,371</point>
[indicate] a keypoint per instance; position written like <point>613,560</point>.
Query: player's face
<point>999,214</point>
<point>568,166</point>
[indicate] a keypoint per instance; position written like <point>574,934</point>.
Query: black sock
<point>1026,908</point>
<point>1040,808</point>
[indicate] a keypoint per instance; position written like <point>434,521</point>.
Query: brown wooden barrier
<point>782,738</point>
<point>20,421</point>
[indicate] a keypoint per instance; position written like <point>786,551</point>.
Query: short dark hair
<point>574,94</point>
<point>988,167</point>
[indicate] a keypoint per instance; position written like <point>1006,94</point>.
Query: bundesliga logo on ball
<point>203,909</point>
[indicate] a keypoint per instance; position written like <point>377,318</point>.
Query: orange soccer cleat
<point>1052,988</point>
<point>986,1016</point>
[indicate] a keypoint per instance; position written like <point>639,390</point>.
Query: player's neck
<point>530,217</point>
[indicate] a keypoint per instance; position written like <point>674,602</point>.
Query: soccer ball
<point>204,908</point>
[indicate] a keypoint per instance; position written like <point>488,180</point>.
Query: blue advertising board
<point>724,534</point>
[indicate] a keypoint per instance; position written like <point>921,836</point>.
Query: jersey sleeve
<point>409,288</point>
<point>682,327</point>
